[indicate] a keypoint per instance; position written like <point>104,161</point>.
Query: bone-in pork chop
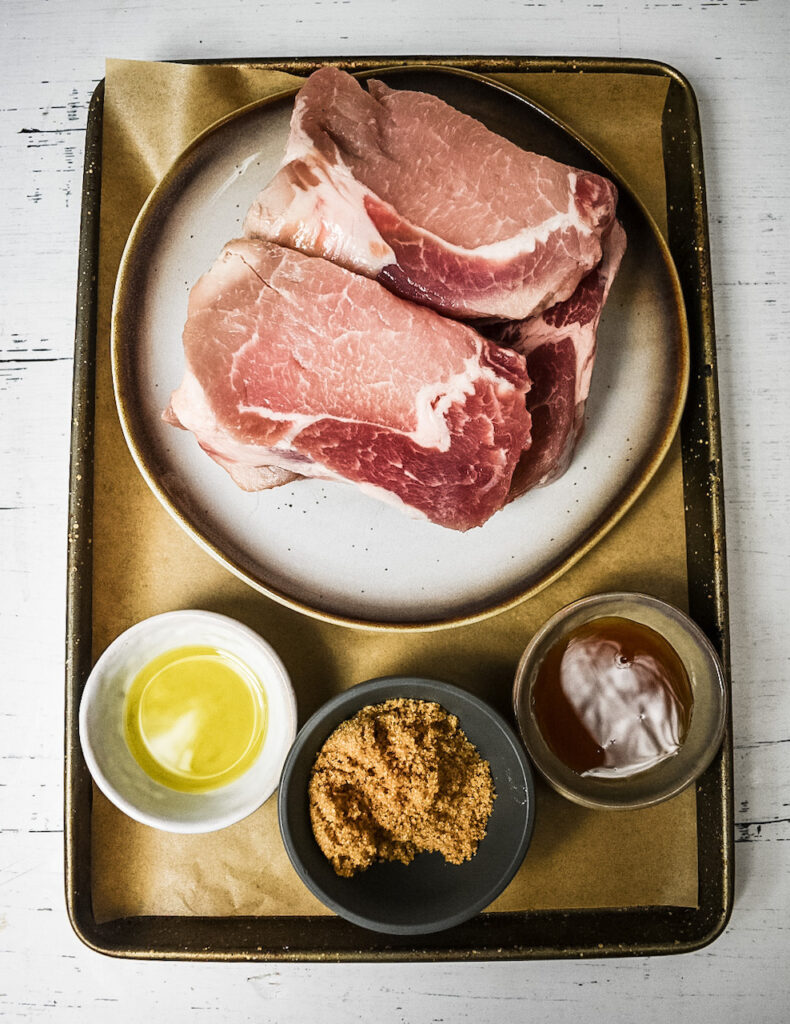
<point>559,346</point>
<point>297,367</point>
<point>399,186</point>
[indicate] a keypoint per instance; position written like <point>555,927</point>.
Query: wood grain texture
<point>52,56</point>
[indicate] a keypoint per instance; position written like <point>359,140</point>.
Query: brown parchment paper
<point>143,563</point>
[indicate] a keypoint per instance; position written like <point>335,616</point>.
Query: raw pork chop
<point>559,346</point>
<point>296,366</point>
<point>401,187</point>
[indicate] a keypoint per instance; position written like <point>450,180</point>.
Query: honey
<point>612,698</point>
<point>195,718</point>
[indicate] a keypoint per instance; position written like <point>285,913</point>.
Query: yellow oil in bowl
<point>195,718</point>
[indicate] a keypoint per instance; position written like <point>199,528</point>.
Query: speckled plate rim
<point>122,296</point>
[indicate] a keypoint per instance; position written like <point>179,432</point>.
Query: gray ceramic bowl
<point>708,717</point>
<point>429,894</point>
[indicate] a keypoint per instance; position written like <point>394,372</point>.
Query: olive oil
<point>612,698</point>
<point>195,718</point>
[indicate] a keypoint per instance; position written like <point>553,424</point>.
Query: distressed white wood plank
<point>52,56</point>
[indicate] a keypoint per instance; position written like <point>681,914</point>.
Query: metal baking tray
<point>524,935</point>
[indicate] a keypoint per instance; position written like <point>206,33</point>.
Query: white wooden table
<point>51,56</point>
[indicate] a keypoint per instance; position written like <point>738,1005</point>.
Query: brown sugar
<point>397,779</point>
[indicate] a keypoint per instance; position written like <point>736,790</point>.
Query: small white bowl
<point>117,773</point>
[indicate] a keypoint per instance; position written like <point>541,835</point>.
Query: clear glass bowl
<point>708,717</point>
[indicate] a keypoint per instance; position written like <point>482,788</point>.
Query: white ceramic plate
<point>323,547</point>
